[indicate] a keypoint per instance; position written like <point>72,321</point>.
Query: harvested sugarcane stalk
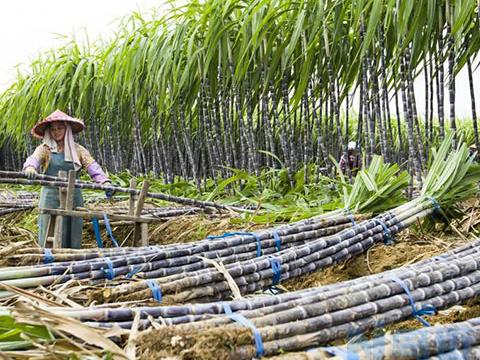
<point>256,274</point>
<point>10,177</point>
<point>310,317</point>
<point>5,211</point>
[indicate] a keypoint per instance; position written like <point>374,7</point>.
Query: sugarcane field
<point>240,180</point>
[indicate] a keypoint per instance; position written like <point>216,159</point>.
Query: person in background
<point>472,150</point>
<point>352,159</point>
<point>57,152</point>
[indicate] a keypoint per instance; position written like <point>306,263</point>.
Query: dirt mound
<point>190,344</point>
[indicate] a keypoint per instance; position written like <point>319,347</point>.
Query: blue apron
<point>49,198</point>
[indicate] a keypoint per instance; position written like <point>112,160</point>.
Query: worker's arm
<point>91,166</point>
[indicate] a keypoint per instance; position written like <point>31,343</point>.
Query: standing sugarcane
<point>57,152</point>
<point>472,97</point>
<point>451,81</point>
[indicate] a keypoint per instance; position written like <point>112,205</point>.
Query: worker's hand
<point>31,172</point>
<point>109,193</point>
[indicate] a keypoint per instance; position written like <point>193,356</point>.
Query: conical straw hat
<point>39,129</point>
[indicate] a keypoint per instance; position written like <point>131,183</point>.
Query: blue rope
<point>276,265</point>
<point>109,229</point>
<point>387,234</point>
<point>96,230</point>
<point>48,256</point>
<point>242,320</point>
<point>440,257</point>
<point>436,205</point>
<point>436,208</point>
<point>350,216</point>
<point>278,241</point>
<point>340,352</point>
<point>426,309</point>
<point>156,291</point>
<point>228,234</point>
<point>109,271</point>
<point>135,270</point>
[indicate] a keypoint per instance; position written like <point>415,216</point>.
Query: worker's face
<point>57,130</point>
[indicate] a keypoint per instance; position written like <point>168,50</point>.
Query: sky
<point>28,27</point>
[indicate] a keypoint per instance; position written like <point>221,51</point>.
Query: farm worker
<point>58,151</point>
<point>472,150</point>
<point>352,158</point>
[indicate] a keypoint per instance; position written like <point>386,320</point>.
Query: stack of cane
<point>306,318</point>
<point>154,261</point>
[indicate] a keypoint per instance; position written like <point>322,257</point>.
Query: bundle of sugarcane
<point>20,178</point>
<point>99,264</point>
<point>321,322</point>
<point>453,341</point>
<point>307,318</point>
<point>315,322</point>
<point>267,304</point>
<point>453,177</point>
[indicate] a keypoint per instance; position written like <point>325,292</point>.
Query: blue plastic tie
<point>387,234</point>
<point>242,320</point>
<point>436,208</point>
<point>156,291</point>
<point>109,229</point>
<point>47,256</point>
<point>350,216</point>
<point>109,271</point>
<point>228,234</point>
<point>276,265</point>
<point>96,230</point>
<point>436,205</point>
<point>340,352</point>
<point>426,309</point>
<point>441,257</point>
<point>278,241</point>
<point>135,270</point>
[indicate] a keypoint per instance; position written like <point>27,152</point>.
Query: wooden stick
<point>57,237</point>
<point>70,190</point>
<point>141,199</point>
<point>131,200</point>
<point>140,233</point>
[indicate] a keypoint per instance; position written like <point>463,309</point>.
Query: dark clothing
<point>354,162</point>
